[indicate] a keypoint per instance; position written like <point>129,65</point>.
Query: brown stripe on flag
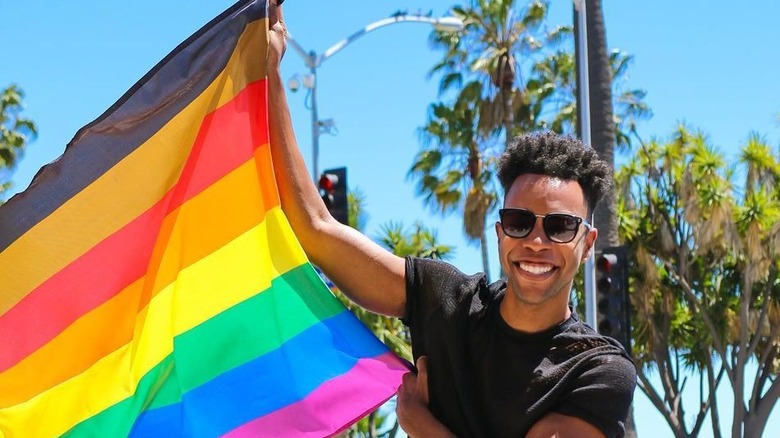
<point>128,189</point>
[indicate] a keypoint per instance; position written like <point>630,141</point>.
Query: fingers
<point>277,35</point>
<point>422,377</point>
<point>417,382</point>
<point>422,366</point>
<point>408,380</point>
<point>275,12</point>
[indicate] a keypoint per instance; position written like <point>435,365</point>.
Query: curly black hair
<point>550,154</point>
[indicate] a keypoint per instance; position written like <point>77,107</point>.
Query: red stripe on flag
<point>124,256</point>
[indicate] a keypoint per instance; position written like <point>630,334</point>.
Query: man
<point>505,359</point>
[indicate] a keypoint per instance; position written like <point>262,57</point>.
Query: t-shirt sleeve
<point>603,395</point>
<point>433,292</point>
<point>429,285</point>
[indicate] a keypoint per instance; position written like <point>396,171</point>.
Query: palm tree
<point>504,77</point>
<point>419,242</point>
<point>455,173</point>
<point>489,50</point>
<point>552,89</point>
<point>628,105</point>
<point>480,71</point>
<point>602,127</point>
<point>15,131</point>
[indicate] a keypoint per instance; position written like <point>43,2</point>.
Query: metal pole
<point>313,61</point>
<point>584,95</point>
<point>315,126</point>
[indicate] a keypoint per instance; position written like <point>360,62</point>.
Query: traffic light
<point>613,304</point>
<point>333,190</point>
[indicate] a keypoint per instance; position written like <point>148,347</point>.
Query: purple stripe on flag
<point>337,402</point>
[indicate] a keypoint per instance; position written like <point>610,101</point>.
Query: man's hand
<point>351,260</point>
<point>277,43</point>
<point>412,405</point>
<point>413,392</point>
<point>554,425</point>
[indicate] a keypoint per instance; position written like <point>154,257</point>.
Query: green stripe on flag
<point>294,302</point>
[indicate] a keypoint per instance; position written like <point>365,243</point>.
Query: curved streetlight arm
<point>308,57</point>
<point>313,61</point>
<point>444,22</point>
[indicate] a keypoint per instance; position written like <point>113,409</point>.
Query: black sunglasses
<point>559,227</point>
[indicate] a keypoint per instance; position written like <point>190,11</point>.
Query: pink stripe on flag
<point>338,402</point>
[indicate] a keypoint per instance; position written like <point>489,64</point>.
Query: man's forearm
<point>328,243</point>
<point>423,425</point>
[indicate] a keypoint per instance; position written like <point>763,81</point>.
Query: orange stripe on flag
<point>202,225</point>
<point>223,144</point>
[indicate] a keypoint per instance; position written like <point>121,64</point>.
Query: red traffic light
<point>328,182</point>
<point>606,263</point>
<point>333,191</point>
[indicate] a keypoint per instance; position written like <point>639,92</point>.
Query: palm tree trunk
<point>508,117</point>
<point>602,126</point>
<point>483,246</point>
<point>602,131</point>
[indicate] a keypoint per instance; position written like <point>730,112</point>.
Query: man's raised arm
<point>367,273</point>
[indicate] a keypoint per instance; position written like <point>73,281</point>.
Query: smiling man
<point>506,359</point>
<point>510,358</point>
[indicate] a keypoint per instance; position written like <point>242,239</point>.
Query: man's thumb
<point>422,375</point>
<point>274,12</point>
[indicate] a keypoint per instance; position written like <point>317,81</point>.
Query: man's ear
<point>499,231</point>
<point>590,241</point>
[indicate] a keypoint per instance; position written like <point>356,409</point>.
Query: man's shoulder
<point>432,267</point>
<point>577,337</point>
<point>442,278</point>
<point>442,288</point>
<point>579,346</point>
<point>593,375</point>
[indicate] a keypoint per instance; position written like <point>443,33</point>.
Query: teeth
<point>535,269</point>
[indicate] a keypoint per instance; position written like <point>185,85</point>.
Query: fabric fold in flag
<point>151,284</point>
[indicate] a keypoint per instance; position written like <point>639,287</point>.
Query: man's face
<point>539,271</point>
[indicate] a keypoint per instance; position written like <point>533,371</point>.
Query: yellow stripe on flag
<point>235,272</point>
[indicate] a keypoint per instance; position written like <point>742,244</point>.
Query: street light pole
<point>316,129</point>
<point>584,121</point>
<point>313,61</point>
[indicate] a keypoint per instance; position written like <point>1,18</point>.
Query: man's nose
<point>536,239</point>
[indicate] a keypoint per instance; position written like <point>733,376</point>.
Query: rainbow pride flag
<point>150,284</point>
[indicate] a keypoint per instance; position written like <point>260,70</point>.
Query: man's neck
<point>533,318</point>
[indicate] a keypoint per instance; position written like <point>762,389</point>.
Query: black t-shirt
<point>486,379</point>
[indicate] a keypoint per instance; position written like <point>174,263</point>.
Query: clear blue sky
<point>711,64</point>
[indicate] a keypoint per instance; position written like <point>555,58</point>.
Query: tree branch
<point>763,373</point>
<point>666,371</point>
<point>717,341</point>
<point>765,357</point>
<point>767,402</point>
<point>712,402</point>
<point>764,315</point>
<point>670,417</point>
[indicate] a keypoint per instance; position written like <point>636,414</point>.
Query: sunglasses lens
<point>560,227</point>
<point>517,223</point>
